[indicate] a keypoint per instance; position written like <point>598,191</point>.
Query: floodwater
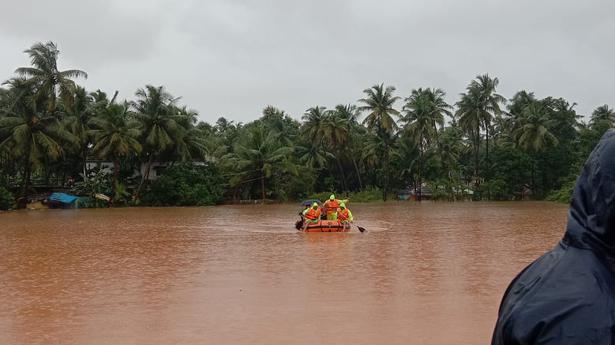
<point>432,273</point>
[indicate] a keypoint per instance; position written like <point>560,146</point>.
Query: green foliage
<point>50,127</point>
<point>186,185</point>
<point>98,182</point>
<point>6,199</point>
<point>563,194</point>
<point>370,194</point>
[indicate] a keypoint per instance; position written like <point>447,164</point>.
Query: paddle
<point>362,229</point>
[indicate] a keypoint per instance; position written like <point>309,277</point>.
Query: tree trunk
<point>85,165</point>
<point>532,178</point>
<point>26,177</point>
<point>476,159</point>
<point>145,176</point>
<point>263,187</point>
<point>356,169</point>
<point>116,176</point>
<point>488,170</point>
<point>386,175</point>
<point>419,195</point>
<point>341,169</point>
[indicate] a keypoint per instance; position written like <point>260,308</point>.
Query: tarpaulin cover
<point>567,296</point>
<point>63,198</point>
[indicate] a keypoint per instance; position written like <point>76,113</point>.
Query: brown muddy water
<point>423,274</point>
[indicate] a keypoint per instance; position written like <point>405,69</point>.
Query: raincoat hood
<point>591,219</point>
<point>567,296</point>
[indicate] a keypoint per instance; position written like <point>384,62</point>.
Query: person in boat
<point>567,296</point>
<point>344,216</point>
<point>312,214</point>
<point>331,206</point>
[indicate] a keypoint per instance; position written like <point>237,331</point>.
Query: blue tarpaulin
<point>63,198</point>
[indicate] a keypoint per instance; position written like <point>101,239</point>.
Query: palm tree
<point>29,131</point>
<point>532,133</point>
<point>476,109</point>
<point>116,136</point>
<point>50,82</point>
<point>602,118</point>
<point>77,121</point>
<point>335,134</point>
<point>450,148</point>
<point>315,157</point>
<point>349,115</point>
<point>425,110</point>
<point>378,103</point>
<point>258,156</point>
<point>190,142</point>
<point>313,125</point>
<point>154,109</point>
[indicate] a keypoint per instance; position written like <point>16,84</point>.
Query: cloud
<point>232,58</point>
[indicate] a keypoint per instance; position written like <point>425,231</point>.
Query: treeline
<point>483,147</point>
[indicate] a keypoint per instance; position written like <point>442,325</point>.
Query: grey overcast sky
<point>232,58</point>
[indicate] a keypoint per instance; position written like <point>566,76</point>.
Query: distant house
<point>97,164</point>
<point>411,194</point>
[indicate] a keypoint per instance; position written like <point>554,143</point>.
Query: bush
<point>6,199</point>
<point>370,194</point>
<point>186,185</point>
<point>98,182</point>
<point>564,194</point>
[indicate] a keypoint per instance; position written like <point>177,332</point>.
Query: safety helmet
<point>315,205</point>
<point>332,197</point>
<point>342,205</point>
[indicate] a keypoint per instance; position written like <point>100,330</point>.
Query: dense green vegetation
<point>483,146</point>
<point>186,185</point>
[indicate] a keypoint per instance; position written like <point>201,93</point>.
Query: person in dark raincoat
<point>567,296</point>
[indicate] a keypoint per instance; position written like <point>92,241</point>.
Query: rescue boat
<point>326,226</point>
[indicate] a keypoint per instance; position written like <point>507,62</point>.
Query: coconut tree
<point>116,136</point>
<point>424,112</point>
<point>490,104</point>
<point>49,81</point>
<point>257,156</point>
<point>77,121</point>
<point>602,118</point>
<point>313,124</point>
<point>154,108</point>
<point>532,133</point>
<point>335,135</point>
<point>190,142</point>
<point>349,116</point>
<point>475,110</point>
<point>379,103</point>
<point>29,131</point>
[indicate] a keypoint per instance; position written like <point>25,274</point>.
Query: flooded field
<point>432,273</point>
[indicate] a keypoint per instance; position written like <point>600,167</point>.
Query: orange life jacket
<point>313,214</point>
<point>343,215</point>
<point>331,205</point>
